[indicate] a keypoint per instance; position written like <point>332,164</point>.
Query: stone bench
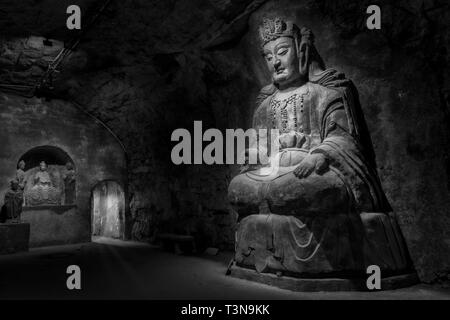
<point>179,243</point>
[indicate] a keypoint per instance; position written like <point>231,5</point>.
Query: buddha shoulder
<point>324,96</point>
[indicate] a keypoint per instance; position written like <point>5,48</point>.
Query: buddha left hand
<point>292,139</point>
<point>313,162</point>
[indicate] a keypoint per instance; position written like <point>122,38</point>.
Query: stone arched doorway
<point>108,210</point>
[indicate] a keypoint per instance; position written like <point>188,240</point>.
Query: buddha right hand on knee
<point>313,162</point>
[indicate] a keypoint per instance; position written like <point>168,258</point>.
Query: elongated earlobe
<point>304,61</point>
<point>303,53</point>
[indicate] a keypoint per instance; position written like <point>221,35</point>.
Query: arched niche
<point>49,177</point>
<point>50,154</point>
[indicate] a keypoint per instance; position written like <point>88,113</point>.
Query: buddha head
<point>42,166</point>
<point>69,166</point>
<point>14,185</point>
<point>288,51</point>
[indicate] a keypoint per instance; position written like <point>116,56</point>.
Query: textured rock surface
<point>149,67</point>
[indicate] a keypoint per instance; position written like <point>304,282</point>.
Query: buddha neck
<point>292,84</point>
<point>286,93</point>
<point>289,88</point>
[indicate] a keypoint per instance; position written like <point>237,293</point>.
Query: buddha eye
<point>282,51</point>
<point>269,57</point>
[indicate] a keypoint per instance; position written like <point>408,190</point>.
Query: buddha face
<point>43,166</point>
<point>14,185</point>
<point>282,61</point>
<point>22,165</point>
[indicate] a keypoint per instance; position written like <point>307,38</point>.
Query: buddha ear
<point>310,61</point>
<point>303,46</point>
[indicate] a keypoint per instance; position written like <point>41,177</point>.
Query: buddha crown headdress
<point>275,28</point>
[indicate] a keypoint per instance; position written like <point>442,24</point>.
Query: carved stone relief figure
<point>20,174</point>
<point>69,183</point>
<point>13,202</point>
<point>43,190</point>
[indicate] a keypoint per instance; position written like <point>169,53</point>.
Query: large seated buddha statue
<point>323,211</point>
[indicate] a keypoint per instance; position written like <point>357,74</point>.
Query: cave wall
<point>34,122</point>
<point>149,67</point>
<point>143,84</point>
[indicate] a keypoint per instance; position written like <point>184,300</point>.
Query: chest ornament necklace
<point>294,103</point>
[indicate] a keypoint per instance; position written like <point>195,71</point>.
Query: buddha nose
<point>276,63</point>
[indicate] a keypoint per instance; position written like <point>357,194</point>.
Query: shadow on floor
<point>115,269</point>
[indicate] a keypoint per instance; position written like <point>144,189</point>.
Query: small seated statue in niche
<point>323,211</point>
<point>13,202</point>
<point>43,191</point>
<point>69,183</point>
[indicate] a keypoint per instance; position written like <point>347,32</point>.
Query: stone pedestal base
<point>339,244</point>
<point>55,225</point>
<point>321,284</point>
<point>14,237</point>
